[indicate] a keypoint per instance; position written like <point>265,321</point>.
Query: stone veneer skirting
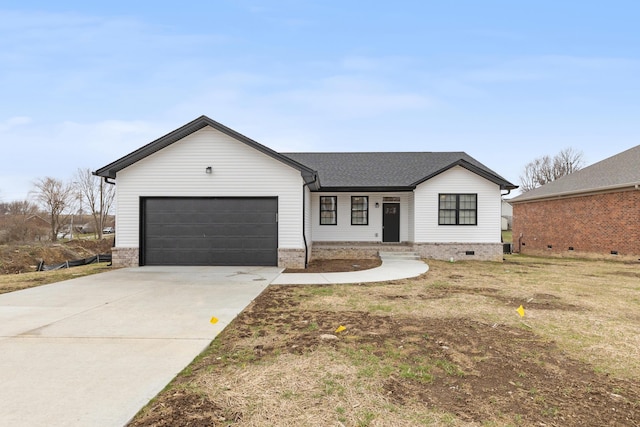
<point>460,251</point>
<point>294,258</point>
<point>125,257</point>
<point>440,251</point>
<point>291,258</point>
<point>129,257</point>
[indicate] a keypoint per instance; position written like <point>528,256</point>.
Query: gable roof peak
<point>111,170</point>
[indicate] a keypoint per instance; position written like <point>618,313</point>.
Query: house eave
<point>363,189</point>
<point>504,184</point>
<point>578,193</point>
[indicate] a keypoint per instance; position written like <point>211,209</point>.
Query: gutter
<point>304,234</point>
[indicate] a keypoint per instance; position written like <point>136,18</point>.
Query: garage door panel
<point>210,231</point>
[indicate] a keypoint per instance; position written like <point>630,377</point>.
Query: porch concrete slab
<point>390,269</point>
<point>94,350</point>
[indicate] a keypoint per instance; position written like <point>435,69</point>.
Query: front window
<point>328,210</point>
<point>359,210</point>
<point>458,209</point>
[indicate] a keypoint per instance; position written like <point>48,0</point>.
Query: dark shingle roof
<point>619,171</point>
<point>388,169</point>
<point>374,171</point>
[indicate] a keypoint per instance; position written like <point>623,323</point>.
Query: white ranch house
<point>206,195</point>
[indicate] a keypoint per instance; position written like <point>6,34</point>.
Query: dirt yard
<point>25,258</point>
<point>18,262</point>
<point>447,348</point>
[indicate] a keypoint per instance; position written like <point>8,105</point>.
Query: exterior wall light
<point>377,205</point>
<point>208,170</point>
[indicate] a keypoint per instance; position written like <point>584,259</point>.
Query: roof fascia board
<point>579,193</point>
<point>504,185</point>
<point>364,189</point>
<point>111,169</point>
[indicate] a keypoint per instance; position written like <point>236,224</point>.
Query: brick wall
<point>596,224</point>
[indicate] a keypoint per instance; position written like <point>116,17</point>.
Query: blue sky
<point>83,84</point>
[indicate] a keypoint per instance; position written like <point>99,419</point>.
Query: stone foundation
<point>125,257</point>
<point>291,258</point>
<point>460,251</point>
<point>441,251</point>
<point>354,250</point>
<point>294,258</point>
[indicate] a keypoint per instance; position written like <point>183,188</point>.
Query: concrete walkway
<point>395,265</point>
<point>92,351</point>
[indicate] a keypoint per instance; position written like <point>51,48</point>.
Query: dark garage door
<point>209,231</point>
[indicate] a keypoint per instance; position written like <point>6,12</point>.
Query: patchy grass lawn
<point>447,348</point>
<point>16,282</point>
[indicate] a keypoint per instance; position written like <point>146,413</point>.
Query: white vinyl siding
<point>238,170</point>
<point>457,180</point>
<point>343,231</point>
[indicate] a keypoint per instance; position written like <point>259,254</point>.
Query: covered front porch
<point>361,217</point>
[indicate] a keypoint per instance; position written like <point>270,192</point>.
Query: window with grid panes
<point>328,210</point>
<point>458,209</point>
<point>359,210</point>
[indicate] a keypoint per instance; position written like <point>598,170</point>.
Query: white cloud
<point>13,122</point>
<point>346,97</point>
<point>59,149</point>
<point>105,141</point>
<point>547,67</point>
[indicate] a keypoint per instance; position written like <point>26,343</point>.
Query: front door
<point>391,222</point>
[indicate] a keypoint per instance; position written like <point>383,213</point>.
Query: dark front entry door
<point>391,222</point>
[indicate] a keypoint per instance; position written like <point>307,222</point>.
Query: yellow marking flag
<point>520,311</point>
<point>340,329</point>
<point>214,320</point>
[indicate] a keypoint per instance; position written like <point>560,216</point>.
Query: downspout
<point>113,245</point>
<point>304,234</point>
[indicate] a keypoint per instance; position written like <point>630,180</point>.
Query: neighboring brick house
<point>593,211</point>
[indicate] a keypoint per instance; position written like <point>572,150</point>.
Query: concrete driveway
<point>94,350</point>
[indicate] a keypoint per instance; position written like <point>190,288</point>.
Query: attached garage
<point>209,231</point>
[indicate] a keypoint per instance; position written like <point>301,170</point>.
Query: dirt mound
<point>25,257</point>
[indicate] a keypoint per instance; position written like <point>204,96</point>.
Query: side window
<point>458,209</point>
<point>328,210</point>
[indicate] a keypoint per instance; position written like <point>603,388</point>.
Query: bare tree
<point>546,169</point>
<point>21,222</point>
<point>55,198</point>
<point>98,196</point>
